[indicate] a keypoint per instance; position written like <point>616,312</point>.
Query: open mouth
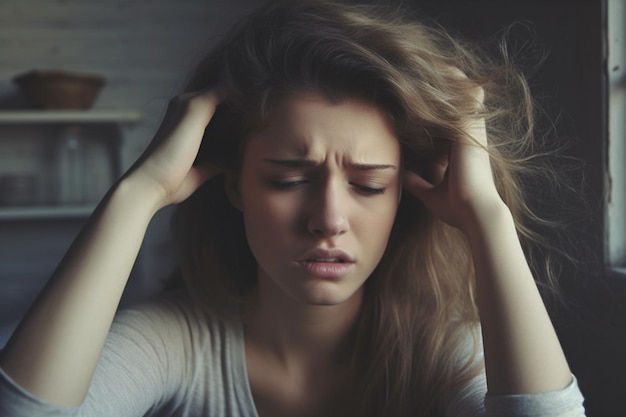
<point>333,268</point>
<point>327,256</point>
<point>326,260</point>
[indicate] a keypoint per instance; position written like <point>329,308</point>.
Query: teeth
<point>326,260</point>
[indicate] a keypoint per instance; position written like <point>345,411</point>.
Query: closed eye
<point>289,185</point>
<point>369,190</point>
<point>286,185</point>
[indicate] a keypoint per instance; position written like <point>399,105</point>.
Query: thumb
<point>193,180</point>
<point>417,185</point>
<point>205,172</point>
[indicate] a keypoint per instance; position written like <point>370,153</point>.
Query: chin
<point>329,294</point>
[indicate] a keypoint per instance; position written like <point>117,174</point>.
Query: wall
<point>144,48</point>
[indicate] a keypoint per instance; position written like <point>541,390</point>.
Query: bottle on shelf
<point>70,168</point>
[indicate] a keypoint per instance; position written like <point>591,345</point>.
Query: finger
<point>438,169</point>
<point>195,110</point>
<point>197,106</point>
<point>476,132</point>
<point>193,180</point>
<point>477,91</point>
<point>470,151</point>
<point>417,185</point>
<point>207,171</point>
<point>186,121</point>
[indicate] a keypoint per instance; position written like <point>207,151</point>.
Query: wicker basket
<point>59,90</point>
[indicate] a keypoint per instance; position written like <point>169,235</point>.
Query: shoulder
<point>173,320</point>
<point>468,399</point>
<point>182,353</point>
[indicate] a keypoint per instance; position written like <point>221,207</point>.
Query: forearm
<point>522,351</point>
<point>54,351</point>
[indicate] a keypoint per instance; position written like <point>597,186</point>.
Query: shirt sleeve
<point>16,402</point>
<point>472,400</point>
<point>136,374</point>
<point>567,402</point>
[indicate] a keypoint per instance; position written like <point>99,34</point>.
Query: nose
<point>328,211</point>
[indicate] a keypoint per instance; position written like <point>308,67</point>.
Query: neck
<point>298,334</point>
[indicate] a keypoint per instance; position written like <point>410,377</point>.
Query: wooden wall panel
<point>151,43</point>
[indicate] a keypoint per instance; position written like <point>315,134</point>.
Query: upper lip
<point>321,253</point>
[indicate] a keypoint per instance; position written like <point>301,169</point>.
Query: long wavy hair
<point>419,302</point>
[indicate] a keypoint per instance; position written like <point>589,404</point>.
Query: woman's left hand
<point>522,350</point>
<point>460,187</point>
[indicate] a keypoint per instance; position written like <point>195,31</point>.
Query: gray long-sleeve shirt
<point>166,359</point>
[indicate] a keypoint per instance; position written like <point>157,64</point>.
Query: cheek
<point>268,217</point>
<point>383,221</point>
<point>374,220</point>
<point>382,210</point>
<point>270,207</point>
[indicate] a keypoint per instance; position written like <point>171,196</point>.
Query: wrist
<point>138,194</point>
<point>487,219</point>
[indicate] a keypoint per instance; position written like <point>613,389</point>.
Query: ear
<point>231,185</point>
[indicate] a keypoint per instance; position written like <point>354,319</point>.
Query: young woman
<point>348,236</point>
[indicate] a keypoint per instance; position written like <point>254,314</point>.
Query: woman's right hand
<point>166,167</point>
<point>62,336</point>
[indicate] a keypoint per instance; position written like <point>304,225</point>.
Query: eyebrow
<point>303,163</point>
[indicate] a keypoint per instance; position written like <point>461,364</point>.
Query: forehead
<point>309,125</point>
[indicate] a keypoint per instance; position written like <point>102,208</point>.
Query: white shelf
<point>16,119</point>
<point>69,116</point>
<point>45,212</point>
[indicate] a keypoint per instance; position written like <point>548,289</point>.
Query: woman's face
<point>319,190</point>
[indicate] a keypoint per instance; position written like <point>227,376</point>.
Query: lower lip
<point>333,270</point>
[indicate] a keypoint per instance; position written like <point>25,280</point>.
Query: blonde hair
<point>419,302</point>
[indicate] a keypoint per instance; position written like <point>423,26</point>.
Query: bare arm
<point>522,352</point>
<point>61,337</point>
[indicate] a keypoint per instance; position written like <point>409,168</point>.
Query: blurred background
<point>56,164</point>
